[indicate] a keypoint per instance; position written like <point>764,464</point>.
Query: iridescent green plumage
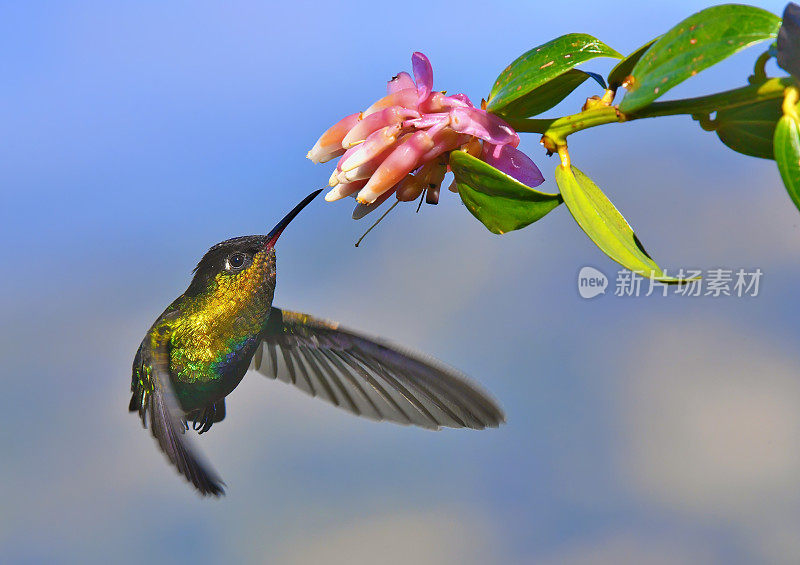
<point>199,349</point>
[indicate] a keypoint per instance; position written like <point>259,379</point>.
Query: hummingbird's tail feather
<point>170,434</point>
<point>155,401</point>
<point>370,377</point>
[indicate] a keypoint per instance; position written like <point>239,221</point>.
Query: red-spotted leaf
<point>547,62</point>
<point>619,73</point>
<point>548,95</point>
<point>702,40</point>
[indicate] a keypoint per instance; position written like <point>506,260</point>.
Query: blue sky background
<point>137,135</point>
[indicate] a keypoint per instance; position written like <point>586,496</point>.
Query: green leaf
<point>604,225</point>
<point>499,201</point>
<point>619,73</point>
<point>787,155</point>
<point>702,40</point>
<point>546,96</point>
<point>749,129</point>
<point>542,64</point>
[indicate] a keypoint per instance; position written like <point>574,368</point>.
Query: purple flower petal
<point>480,123</point>
<point>460,99</point>
<point>423,75</point>
<point>402,81</point>
<point>427,121</point>
<point>512,162</point>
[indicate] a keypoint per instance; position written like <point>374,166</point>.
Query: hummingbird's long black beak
<point>272,237</point>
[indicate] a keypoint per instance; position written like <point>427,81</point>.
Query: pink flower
<point>401,144</point>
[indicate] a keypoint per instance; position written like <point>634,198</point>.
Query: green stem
<point>557,129</point>
<point>760,69</point>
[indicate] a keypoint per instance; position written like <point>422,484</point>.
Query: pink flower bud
<point>376,121</point>
<point>414,128</point>
<point>344,190</point>
<point>403,160</point>
<point>334,179</point>
<point>402,81</point>
<point>434,104</point>
<point>409,188</point>
<point>359,173</point>
<point>362,210</point>
<point>444,141</point>
<point>432,195</point>
<point>375,143</point>
<point>365,171</point>
<point>436,176</point>
<point>431,177</point>
<point>329,145</point>
<point>407,98</point>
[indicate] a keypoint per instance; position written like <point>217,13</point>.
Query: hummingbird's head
<point>238,264</point>
<point>242,265</point>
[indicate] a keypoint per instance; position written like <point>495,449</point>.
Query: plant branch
<point>556,130</point>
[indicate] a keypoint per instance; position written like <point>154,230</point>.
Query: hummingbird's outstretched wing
<point>370,377</point>
<point>153,396</point>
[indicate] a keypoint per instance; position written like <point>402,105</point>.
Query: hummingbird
<point>198,351</point>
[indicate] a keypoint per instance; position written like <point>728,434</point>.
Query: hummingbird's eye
<point>235,261</point>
